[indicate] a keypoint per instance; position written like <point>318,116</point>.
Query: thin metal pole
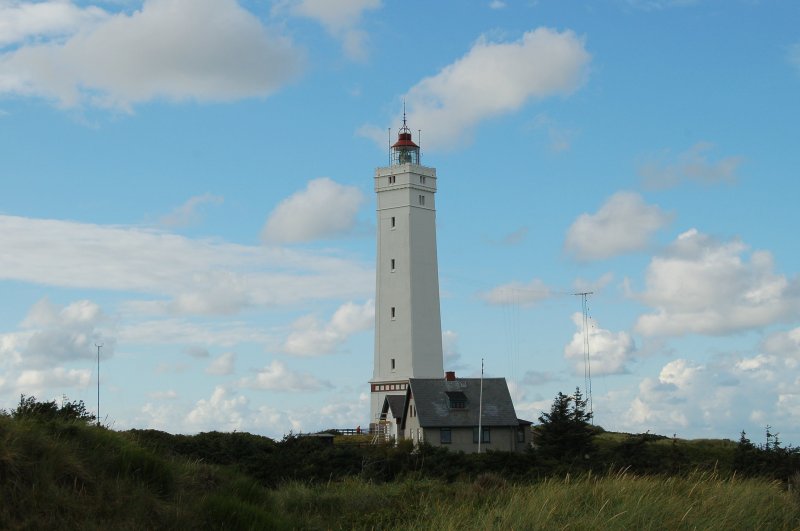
<point>480,412</point>
<point>98,381</point>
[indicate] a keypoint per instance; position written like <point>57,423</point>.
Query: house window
<point>393,222</point>
<point>520,435</point>
<point>391,179</point>
<point>394,312</point>
<point>487,437</point>
<point>457,400</point>
<point>445,436</point>
<point>422,200</point>
<point>392,265</point>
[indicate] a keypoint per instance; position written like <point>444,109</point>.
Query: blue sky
<point>189,184</point>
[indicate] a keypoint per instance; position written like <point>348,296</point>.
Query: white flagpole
<point>480,412</point>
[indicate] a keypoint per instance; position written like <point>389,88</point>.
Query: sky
<point>188,184</point>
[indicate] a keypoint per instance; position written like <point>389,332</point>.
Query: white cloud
<point>182,332</point>
<point>323,210</point>
<point>200,276</point>
<point>54,334</point>
<point>311,338</point>
<point>704,286</point>
<point>497,4</point>
<point>450,347</point>
<point>722,396</point>
<point>189,213</point>
<point>222,365</point>
<point>517,293</point>
<point>609,352</point>
<point>340,19</point>
<point>163,395</point>
<point>20,21</point>
<point>203,50</point>
<point>492,79</point>
<point>690,166</point>
<point>278,377</point>
<point>44,382</point>
<point>624,224</point>
<point>220,412</point>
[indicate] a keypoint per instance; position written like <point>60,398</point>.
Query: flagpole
<point>480,412</point>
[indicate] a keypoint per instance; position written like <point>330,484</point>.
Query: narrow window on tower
<point>422,200</point>
<point>392,265</point>
<point>393,223</point>
<point>421,179</point>
<point>394,312</point>
<point>393,364</point>
<point>391,179</point>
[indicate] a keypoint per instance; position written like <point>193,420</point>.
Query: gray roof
<point>393,404</point>
<point>432,400</point>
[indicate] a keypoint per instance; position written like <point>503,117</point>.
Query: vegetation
<point>60,471</point>
<point>565,434</point>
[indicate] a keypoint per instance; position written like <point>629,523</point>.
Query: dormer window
<point>456,400</point>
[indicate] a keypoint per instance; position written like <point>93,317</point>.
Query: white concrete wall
<point>413,337</point>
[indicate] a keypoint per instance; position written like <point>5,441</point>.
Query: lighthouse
<point>408,328</point>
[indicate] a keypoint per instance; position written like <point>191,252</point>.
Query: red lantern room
<point>405,151</point>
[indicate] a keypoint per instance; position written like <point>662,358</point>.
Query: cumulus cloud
<point>704,286</point>
<point>312,338</point>
<point>225,411</point>
<point>222,365</point>
<point>20,21</point>
<point>202,50</point>
<point>492,79</point>
<point>198,276</point>
<point>340,19</point>
<point>709,398</point>
<point>54,334</point>
<point>278,377</point>
<point>517,293</point>
<point>44,382</point>
<point>609,352</point>
<point>189,213</point>
<point>624,224</point>
<point>323,210</point>
<point>692,165</point>
<point>450,347</point>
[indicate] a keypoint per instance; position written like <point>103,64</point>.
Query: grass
<point>68,475</point>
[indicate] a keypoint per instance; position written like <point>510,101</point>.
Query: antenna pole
<point>480,412</point>
<point>390,146</point>
<point>98,381</point>
<point>587,365</point>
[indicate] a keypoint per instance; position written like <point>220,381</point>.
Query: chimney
<point>450,376</point>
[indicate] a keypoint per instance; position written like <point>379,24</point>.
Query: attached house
<point>445,412</point>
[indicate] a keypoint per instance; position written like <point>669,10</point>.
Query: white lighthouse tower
<point>408,327</point>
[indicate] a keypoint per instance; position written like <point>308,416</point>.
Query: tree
<point>565,433</point>
<point>30,408</point>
